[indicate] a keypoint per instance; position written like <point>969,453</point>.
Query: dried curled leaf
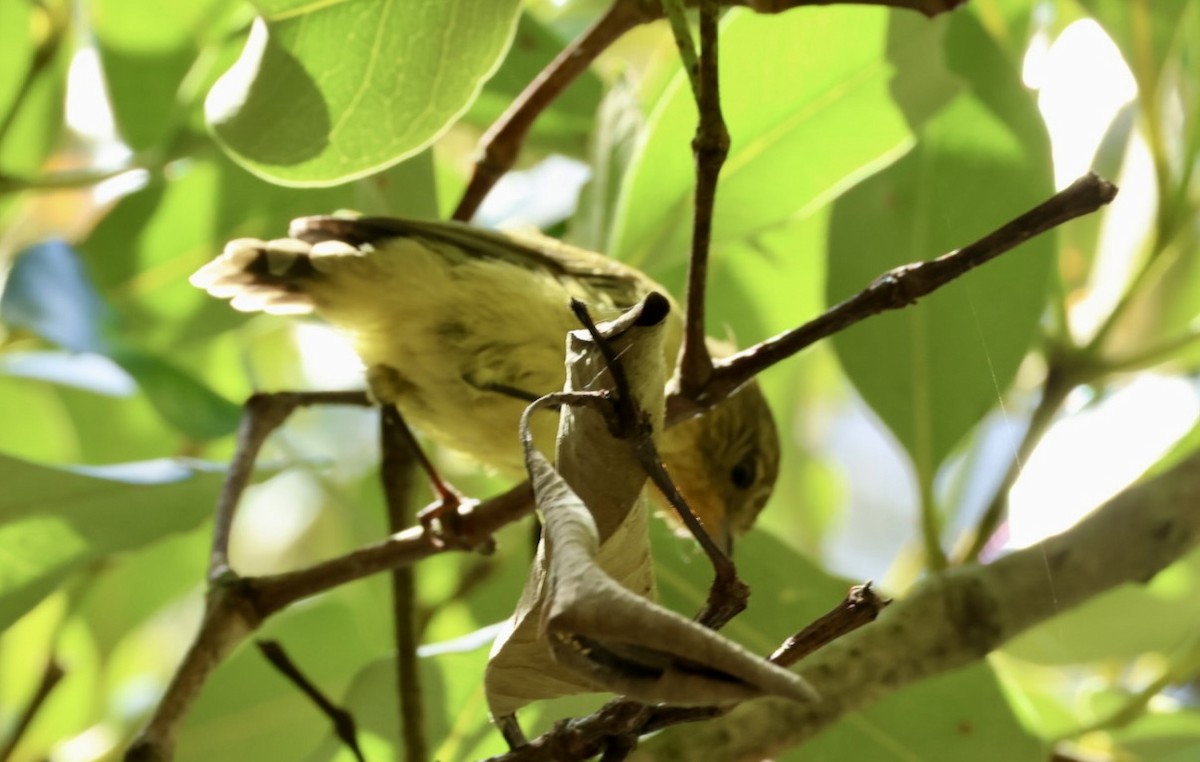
<point>587,620</point>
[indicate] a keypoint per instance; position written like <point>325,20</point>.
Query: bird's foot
<point>443,520</point>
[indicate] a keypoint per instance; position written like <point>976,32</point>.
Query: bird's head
<point>725,462</point>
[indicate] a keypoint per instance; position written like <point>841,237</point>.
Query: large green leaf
<point>327,92</point>
<point>53,522</point>
<point>957,716</point>
<point>805,94</point>
<point>932,371</point>
<point>1123,623</point>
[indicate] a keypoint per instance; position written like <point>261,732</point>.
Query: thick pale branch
<point>895,289</point>
<point>957,618</point>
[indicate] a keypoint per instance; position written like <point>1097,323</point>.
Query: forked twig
<point>264,413</point>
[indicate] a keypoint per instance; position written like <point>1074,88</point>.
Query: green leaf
<point>53,522</point>
<point>957,716</point>
<point>147,48</point>
<point>142,253</point>
<point>185,403</point>
<point>1168,736</point>
<point>932,371</point>
<point>805,95</point>
<point>329,92</point>
<point>33,69</point>
<point>247,706</point>
<point>1123,623</point>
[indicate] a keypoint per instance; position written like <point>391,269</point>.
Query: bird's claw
<point>443,522</point>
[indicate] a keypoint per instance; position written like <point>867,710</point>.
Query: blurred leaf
<point>147,48</point>
<point>1144,30</point>
<point>957,716</point>
<point>564,126</point>
<point>932,371</point>
<point>186,403</point>
<point>617,127</point>
<point>37,425</point>
<point>407,189</point>
<point>327,93</point>
<point>142,253</point>
<point>1172,736</point>
<point>17,47</point>
<point>33,72</point>
<point>53,522</point>
<point>49,293</point>
<point>128,590</point>
<point>1123,623</point>
<point>825,71</point>
<point>90,372</point>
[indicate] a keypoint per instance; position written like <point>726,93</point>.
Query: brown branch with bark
<point>894,289</point>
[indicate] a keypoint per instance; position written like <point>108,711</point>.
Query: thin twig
<point>264,413</point>
<point>860,607</point>
<point>52,673</point>
<point>895,289</point>
<point>397,468</point>
<point>343,722</point>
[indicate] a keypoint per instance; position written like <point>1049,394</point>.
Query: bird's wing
<point>622,286</point>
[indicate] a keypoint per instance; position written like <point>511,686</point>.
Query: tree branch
<point>237,606</point>
<point>501,144</point>
<point>892,290</point>
<point>955,619</point>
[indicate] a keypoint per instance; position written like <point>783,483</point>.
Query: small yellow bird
<point>461,327</point>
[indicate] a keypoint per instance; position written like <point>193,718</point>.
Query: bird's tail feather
<point>268,276</point>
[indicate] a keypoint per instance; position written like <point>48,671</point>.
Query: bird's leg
<point>440,519</point>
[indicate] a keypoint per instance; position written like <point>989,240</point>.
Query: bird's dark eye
<point>744,473</point>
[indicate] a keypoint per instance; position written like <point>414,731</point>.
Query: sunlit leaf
<point>330,92</point>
